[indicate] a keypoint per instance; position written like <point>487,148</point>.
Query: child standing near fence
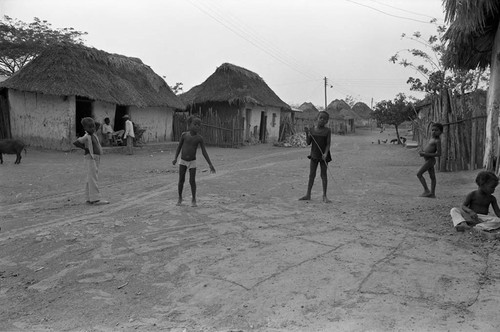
<point>430,152</point>
<point>188,145</point>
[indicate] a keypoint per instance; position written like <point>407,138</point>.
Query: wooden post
<point>444,142</point>
<point>473,145</point>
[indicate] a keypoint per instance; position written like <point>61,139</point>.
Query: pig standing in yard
<point>12,146</point>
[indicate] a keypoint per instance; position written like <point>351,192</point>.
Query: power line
<point>403,10</point>
<point>385,13</point>
<point>242,35</point>
<point>237,23</point>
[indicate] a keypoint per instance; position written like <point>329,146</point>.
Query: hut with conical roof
<point>364,112</point>
<point>49,96</point>
<point>235,94</point>
<point>341,117</point>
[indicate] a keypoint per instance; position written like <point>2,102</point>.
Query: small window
<point>274,120</point>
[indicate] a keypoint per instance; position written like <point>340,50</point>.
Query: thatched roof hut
<point>68,70</point>
<point>68,82</point>
<point>309,111</point>
<point>363,110</point>
<point>234,85</point>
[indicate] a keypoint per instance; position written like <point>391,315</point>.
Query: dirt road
<point>250,257</point>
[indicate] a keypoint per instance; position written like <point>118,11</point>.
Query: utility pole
<point>326,83</point>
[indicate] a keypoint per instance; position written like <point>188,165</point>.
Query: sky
<point>292,44</point>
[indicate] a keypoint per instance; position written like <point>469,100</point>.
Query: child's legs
<point>92,188</point>
<point>425,167</point>
<point>324,175</point>
<point>432,176</point>
<point>457,216</point>
<point>182,178</point>
<point>192,182</point>
<point>313,166</point>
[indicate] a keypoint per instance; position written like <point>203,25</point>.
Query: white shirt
<point>129,129</point>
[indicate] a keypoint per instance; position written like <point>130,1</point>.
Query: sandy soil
<point>250,257</point>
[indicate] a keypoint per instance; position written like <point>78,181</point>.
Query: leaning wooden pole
<point>492,105</point>
<point>444,109</point>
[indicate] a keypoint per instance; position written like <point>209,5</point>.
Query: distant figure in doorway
<point>320,137</point>
<point>107,132</point>
<point>475,208</point>
<point>129,134</point>
<point>430,152</point>
<point>93,151</point>
<point>188,145</point>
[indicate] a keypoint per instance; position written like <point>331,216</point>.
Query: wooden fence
<point>290,126</point>
<point>464,124</point>
<point>216,130</point>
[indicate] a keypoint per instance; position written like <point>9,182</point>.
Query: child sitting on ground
<point>474,210</point>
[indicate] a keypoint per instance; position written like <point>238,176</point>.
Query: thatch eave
<point>75,70</point>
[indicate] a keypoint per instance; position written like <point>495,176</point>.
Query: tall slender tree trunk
<point>492,106</point>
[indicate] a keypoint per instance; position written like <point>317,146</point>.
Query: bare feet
<point>305,198</point>
<point>326,200</point>
<point>179,202</point>
<point>428,195</point>
<point>193,203</point>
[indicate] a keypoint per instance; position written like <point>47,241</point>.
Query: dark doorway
<point>4,115</point>
<point>83,109</point>
<point>263,127</point>
<point>119,113</point>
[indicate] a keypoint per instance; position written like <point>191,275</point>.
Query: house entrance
<point>83,109</point>
<point>263,127</point>
<point>120,111</point>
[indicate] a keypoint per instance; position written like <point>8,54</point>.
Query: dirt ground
<point>250,257</point>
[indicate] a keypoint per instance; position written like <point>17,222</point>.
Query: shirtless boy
<point>431,151</point>
<point>188,144</point>
<point>475,208</point>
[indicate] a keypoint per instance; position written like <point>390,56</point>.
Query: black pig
<point>12,146</point>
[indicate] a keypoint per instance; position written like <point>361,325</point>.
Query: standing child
<point>475,208</point>
<point>320,137</point>
<point>93,151</point>
<point>430,152</point>
<point>188,144</point>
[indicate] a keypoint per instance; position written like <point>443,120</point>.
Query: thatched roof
<point>234,85</point>
<point>363,110</point>
<point>337,105</point>
<point>473,25</point>
<point>68,70</point>
<point>308,106</point>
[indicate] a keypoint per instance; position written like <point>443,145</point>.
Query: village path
<point>250,257</point>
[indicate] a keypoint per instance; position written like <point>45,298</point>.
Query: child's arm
<point>328,143</point>
<point>79,144</point>
<point>494,205</point>
<point>466,204</point>
<point>179,147</point>
<point>437,153</point>
<point>205,154</point>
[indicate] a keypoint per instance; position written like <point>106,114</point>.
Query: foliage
<point>430,65</point>
<point>21,42</point>
<point>350,101</point>
<point>393,112</point>
<point>177,88</point>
